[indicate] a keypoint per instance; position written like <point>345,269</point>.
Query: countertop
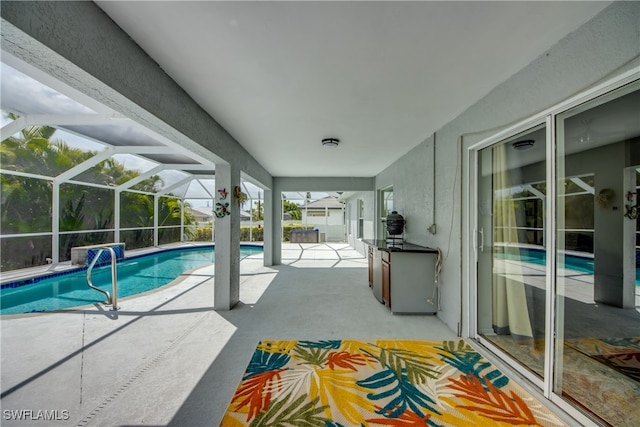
<point>385,245</point>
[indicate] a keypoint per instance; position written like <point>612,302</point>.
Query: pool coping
<point>68,269</point>
<point>35,274</point>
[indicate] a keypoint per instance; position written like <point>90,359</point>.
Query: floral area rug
<point>599,374</point>
<point>380,383</point>
<point>621,354</point>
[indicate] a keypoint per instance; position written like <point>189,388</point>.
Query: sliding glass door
<point>556,259</point>
<point>512,252</point>
<point>597,356</point>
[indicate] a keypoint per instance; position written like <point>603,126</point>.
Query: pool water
<point>135,275</point>
<point>538,256</point>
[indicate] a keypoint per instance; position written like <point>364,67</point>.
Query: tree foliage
<point>292,209</point>
<point>26,202</point>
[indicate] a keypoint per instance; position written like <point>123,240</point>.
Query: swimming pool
<point>135,275</point>
<point>583,264</point>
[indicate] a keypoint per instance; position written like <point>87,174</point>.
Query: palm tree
<point>26,202</point>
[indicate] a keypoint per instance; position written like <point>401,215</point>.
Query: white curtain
<point>510,310</point>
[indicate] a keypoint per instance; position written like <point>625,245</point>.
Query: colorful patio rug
<point>621,354</point>
<point>381,383</point>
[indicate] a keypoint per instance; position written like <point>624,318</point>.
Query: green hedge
<point>203,234</point>
<point>257,233</point>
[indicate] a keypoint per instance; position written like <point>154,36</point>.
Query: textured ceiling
<point>380,76</point>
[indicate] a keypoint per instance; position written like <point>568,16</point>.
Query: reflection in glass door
<point>597,360</point>
<point>557,232</point>
<point>386,207</point>
<point>511,282</point>
<point>637,214</point>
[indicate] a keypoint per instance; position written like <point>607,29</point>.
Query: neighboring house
<point>245,216</point>
<point>204,214</point>
<point>327,215</point>
<point>329,208</point>
<point>201,214</point>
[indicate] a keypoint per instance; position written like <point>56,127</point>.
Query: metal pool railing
<point>112,298</point>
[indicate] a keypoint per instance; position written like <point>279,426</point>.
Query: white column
<point>326,223</point>
<point>268,231</point>
<point>155,219</point>
<point>227,259</point>
<point>628,241</point>
<point>55,222</point>
<point>181,202</point>
<point>609,223</point>
<point>116,216</point>
<point>274,206</point>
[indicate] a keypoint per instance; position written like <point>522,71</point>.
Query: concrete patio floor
<point>167,358</point>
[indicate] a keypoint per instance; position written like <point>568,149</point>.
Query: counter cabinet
<point>402,278</point>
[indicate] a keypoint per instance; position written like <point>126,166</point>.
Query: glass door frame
<point>381,218</point>
<point>473,240</point>
<point>477,240</point>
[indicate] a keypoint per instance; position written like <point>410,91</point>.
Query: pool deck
<point>167,358</point>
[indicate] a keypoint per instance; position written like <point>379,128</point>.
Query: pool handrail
<point>112,298</point>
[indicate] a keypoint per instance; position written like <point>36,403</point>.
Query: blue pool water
<point>538,256</point>
<point>135,275</point>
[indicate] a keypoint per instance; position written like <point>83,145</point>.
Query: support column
<point>116,216</point>
<point>628,242</point>
<point>55,223</point>
<point>609,225</point>
<point>156,205</point>
<point>268,233</point>
<point>276,222</point>
<point>227,240</point>
<point>181,202</point>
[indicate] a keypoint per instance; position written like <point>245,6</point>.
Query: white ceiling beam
<point>175,185</point>
<point>87,164</point>
<point>25,174</point>
<point>188,166</point>
<point>12,128</point>
<point>586,187</point>
<point>143,149</point>
<point>173,145</point>
<point>205,189</point>
<point>535,191</point>
<point>140,178</point>
<point>73,119</point>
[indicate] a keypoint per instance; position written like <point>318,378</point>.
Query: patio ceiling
<point>380,76</point>
<point>93,127</point>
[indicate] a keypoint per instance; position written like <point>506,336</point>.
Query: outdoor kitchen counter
<point>401,275</point>
<point>383,245</point>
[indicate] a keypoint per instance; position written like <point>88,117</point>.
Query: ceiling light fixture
<point>523,145</point>
<point>330,142</point>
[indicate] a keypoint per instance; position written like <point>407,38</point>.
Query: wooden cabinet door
<point>386,283</point>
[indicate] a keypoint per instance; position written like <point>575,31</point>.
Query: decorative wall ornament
<point>239,195</point>
<point>605,197</point>
<point>222,205</point>
<point>631,208</point>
